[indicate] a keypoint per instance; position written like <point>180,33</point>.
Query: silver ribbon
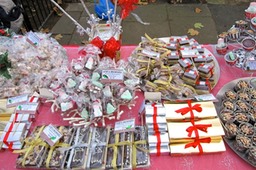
<point>77,144</point>
<point>139,19</point>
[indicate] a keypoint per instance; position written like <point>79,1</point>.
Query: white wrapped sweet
<point>33,65</point>
<point>85,85</point>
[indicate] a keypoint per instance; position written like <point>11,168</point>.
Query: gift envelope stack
<point>158,138</point>
<point>20,120</point>
<point>194,127</point>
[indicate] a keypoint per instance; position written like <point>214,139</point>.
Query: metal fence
<point>36,13</point>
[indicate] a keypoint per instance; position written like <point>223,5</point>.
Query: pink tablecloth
<point>220,161</point>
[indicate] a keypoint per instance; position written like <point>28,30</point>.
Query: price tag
<point>115,75</point>
<point>30,108</point>
<point>14,101</point>
<point>151,54</point>
<point>33,39</point>
<point>51,135</point>
<point>125,126</point>
<point>206,97</point>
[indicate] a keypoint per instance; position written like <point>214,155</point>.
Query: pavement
<point>165,20</point>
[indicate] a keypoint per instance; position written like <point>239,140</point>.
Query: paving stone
<point>165,19</point>
<point>150,13</point>
<point>133,31</point>
<point>187,10</point>
<point>66,25</point>
<point>65,38</point>
<point>207,34</point>
<point>75,7</point>
<point>76,39</point>
<point>226,15</point>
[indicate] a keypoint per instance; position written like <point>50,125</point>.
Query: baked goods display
<point>177,66</point>
<point>237,113</point>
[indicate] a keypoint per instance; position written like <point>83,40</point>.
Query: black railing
<point>36,13</point>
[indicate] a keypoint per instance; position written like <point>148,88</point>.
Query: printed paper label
<point>125,126</point>
<point>206,97</point>
<point>151,53</point>
<point>33,39</point>
<point>17,99</point>
<point>115,75</point>
<point>51,134</point>
<point>29,107</point>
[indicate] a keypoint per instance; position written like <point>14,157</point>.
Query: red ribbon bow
<point>190,108</point>
<point>195,129</point>
<point>111,47</point>
<point>197,142</point>
<point>126,7</point>
<point>97,42</point>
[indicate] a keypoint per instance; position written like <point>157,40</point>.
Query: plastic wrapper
<point>98,148</point>
<point>55,156</point>
<point>78,151</point>
<point>119,153</point>
<point>31,65</point>
<point>33,150</point>
<point>142,158</point>
<point>160,66</point>
<point>97,88</point>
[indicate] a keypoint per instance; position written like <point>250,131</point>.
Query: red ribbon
<point>208,83</point>
<point>156,130</point>
<point>158,143</point>
<point>190,109</point>
<point>190,70</point>
<point>197,142</point>
<point>186,62</point>
<point>195,128</point>
<point>31,99</point>
<point>97,42</point>
<point>210,67</point>
<point>8,133</point>
<point>126,7</point>
<point>155,124</point>
<point>111,47</point>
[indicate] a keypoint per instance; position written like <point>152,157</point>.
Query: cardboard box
<point>164,139</point>
<point>208,111</point>
<point>179,130</point>
<point>212,147</point>
<point>164,150</point>
<point>158,120</point>
<point>150,110</point>
<point>98,148</point>
<point>76,157</point>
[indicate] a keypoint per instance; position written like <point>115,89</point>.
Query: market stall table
<point>225,160</point>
